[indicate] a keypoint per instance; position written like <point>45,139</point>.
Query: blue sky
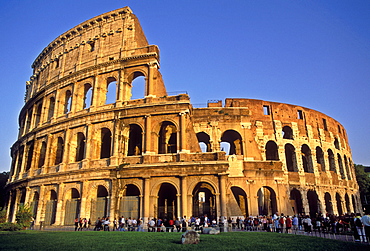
<point>310,53</point>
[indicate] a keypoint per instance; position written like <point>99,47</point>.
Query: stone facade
<point>82,153</point>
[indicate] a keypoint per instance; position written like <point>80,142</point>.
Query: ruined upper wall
<point>107,37</point>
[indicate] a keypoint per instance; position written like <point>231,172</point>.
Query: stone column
<point>42,206</point>
<point>305,204</point>
<point>48,156</point>
<point>59,217</point>
<point>182,139</point>
<point>184,196</point>
<point>146,205</point>
<point>147,135</point>
<point>178,211</point>
<point>84,213</point>
<point>222,181</point>
<point>218,205</point>
<point>149,90</point>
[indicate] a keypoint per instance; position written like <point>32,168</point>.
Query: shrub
<point>8,226</point>
<point>3,216</point>
<point>24,216</point>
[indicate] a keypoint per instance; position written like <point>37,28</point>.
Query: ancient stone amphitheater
<point>88,148</point>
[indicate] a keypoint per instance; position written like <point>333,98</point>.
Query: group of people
<point>346,224</point>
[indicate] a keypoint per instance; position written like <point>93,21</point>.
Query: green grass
<point>90,240</point>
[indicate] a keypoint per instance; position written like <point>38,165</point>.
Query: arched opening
<point>204,200</point>
<point>340,164</point>
<point>38,114</point>
<point>167,141</point>
<point>68,102</point>
<point>51,208</point>
<point>271,151</point>
<point>287,132</point>
<point>80,148</point>
<point>12,205</point>
<point>336,144</point>
<point>290,158</point>
<point>135,140</point>
<point>320,159</point>
<point>331,160</point>
<point>51,108</point>
<point>328,203</point>
<point>306,159</point>
<point>235,140</point>
<point>266,201</point>
<point>87,96</point>
<point>348,206</point>
<point>204,142</point>
<point>30,154</point>
<point>138,86</point>
<point>105,147</point>
<point>20,159</point>
<point>42,155</point>
<point>111,95</point>
<point>22,199</point>
<point>59,152</point>
<point>241,200</point>
<point>29,120</point>
<point>354,204</point>
<point>339,204</point>
<point>34,204</point>
<point>296,201</point>
<point>347,167</point>
<point>130,202</point>
<point>313,203</point>
<point>99,206</point>
<point>167,202</point>
<point>72,207</point>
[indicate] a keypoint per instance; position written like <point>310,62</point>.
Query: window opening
<point>266,110</point>
<point>325,125</point>
<point>300,114</point>
<point>287,132</point>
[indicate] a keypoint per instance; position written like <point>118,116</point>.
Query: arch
<point>338,198</point>
<point>68,102</point>
<point>51,108</point>
<point>287,132</point>
<point>130,202</point>
<point>38,114</point>
<point>30,154</point>
<point>34,204</point>
<point>29,120</point>
<point>72,206</point>
<point>306,159</point>
<point>336,143</point>
<point>328,203</point>
<point>87,101</point>
<point>271,151</point>
<point>167,140</point>
<point>267,204</point>
<point>99,205</point>
<point>111,95</point>
<point>347,167</point>
<point>20,159</point>
<point>80,148</point>
<point>167,202</point>
<point>135,140</point>
<point>235,140</point>
<point>354,204</point>
<point>331,159</point>
<point>348,205</point>
<point>59,151</point>
<point>320,158</point>
<point>296,201</point>
<point>242,200</point>
<point>204,200</point>
<point>138,86</point>
<point>51,208</point>
<point>205,139</point>
<point>106,143</point>
<point>42,155</point>
<point>340,164</point>
<point>290,158</point>
<point>313,203</point>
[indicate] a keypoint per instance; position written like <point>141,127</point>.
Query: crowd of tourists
<point>351,224</point>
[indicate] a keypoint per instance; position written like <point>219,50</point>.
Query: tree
<point>3,179</point>
<point>24,216</point>
<point>363,180</point>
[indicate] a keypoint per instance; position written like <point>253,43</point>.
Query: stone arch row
<point>45,152</point>
<point>230,141</point>
<point>345,166</point>
<point>82,96</point>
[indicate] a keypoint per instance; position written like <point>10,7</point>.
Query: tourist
<point>288,224</point>
<point>366,222</point>
<point>76,224</point>
<point>295,224</point>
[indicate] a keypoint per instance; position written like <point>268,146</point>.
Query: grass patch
<point>90,240</point>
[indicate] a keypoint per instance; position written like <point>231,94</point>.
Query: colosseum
<point>87,147</point>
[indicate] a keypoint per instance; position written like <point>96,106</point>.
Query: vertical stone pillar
<point>149,90</point>
<point>178,208</point>
<point>42,205</point>
<point>146,205</point>
<point>147,135</point>
<point>222,181</point>
<point>49,157</point>
<point>59,217</point>
<point>184,196</point>
<point>84,213</point>
<point>182,139</point>
<point>218,205</point>
<point>9,204</point>
<point>305,204</point>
